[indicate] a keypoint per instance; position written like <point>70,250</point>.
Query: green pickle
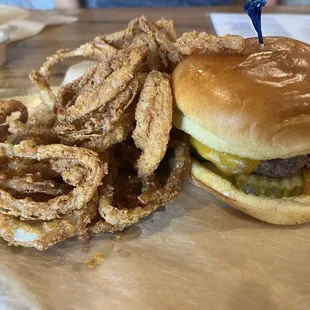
<point>270,187</point>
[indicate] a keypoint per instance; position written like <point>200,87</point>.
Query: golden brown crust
<point>287,211</point>
<point>43,235</point>
<point>258,104</point>
<point>71,158</point>
<point>129,211</point>
<point>276,44</point>
<point>153,122</point>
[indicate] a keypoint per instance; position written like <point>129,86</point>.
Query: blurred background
<point>61,4</point>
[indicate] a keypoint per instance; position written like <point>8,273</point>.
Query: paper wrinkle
<point>22,24</point>
<point>10,13</point>
<point>10,284</point>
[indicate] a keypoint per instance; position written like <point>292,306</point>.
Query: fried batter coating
<point>88,82</point>
<point>71,171</point>
<point>60,205</point>
<point>22,167</point>
<point>120,203</point>
<point>42,235</point>
<point>99,51</point>
<point>68,94</point>
<point>30,185</point>
<point>137,34</point>
<point>109,118</point>
<point>154,121</point>
<point>194,42</point>
<point>167,27</point>
<point>100,228</point>
<point>7,108</point>
<point>118,132</point>
<point>108,90</point>
<point>39,133</point>
<point>158,37</point>
<point>174,184</point>
<point>165,36</point>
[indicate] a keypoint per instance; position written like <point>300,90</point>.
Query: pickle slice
<point>259,185</point>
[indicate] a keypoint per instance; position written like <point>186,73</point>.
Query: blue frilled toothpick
<point>254,9</point>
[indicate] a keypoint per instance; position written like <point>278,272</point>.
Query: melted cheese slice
<point>227,163</point>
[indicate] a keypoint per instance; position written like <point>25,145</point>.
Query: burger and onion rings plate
<point>99,160</point>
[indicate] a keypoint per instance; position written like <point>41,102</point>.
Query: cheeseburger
<point>248,120</point>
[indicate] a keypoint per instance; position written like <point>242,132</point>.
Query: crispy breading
<point>43,235</point>
<point>7,108</point>
<point>122,202</point>
<point>59,205</point>
<point>199,42</point>
<point>153,122</point>
<point>95,50</point>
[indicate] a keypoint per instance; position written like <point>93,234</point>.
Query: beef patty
<point>279,168</point>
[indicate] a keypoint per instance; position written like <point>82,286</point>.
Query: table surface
<point>29,54</point>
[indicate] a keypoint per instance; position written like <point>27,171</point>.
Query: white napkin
<point>77,70</point>
<point>21,24</point>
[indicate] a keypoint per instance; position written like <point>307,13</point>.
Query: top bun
<point>254,105</point>
<point>275,44</point>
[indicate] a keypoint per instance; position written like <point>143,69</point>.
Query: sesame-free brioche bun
<point>275,44</point>
<point>285,211</point>
<point>254,104</point>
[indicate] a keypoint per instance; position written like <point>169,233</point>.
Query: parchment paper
<point>20,23</point>
<point>194,254</point>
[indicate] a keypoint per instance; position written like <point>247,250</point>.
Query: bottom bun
<point>285,211</point>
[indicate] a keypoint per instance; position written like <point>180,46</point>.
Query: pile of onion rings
<point>103,160</point>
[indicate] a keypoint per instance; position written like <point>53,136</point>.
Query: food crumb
<point>96,260</point>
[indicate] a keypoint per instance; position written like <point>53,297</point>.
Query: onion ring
<point>7,107</point>
<point>99,51</point>
<point>174,184</point>
<point>20,168</point>
<point>116,82</point>
<point>158,37</point>
<point>29,185</point>
<point>60,205</point>
<point>42,235</point>
<point>118,132</point>
<point>101,227</point>
<point>199,42</point>
<point>68,94</point>
<point>102,124</point>
<point>39,133</point>
<point>154,122</point>
<point>122,217</point>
